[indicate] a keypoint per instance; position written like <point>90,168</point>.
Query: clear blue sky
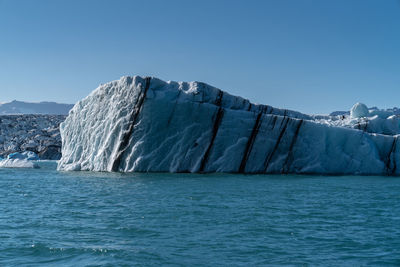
<point>312,56</point>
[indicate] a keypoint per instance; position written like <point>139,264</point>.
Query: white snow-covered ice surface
<point>147,125</point>
<point>17,163</point>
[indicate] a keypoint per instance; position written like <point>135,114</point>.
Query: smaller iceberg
<point>27,155</point>
<point>17,163</point>
<point>20,160</point>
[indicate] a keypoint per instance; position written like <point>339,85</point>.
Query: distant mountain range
<point>19,107</point>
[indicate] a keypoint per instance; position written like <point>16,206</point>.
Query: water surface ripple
<point>102,219</point>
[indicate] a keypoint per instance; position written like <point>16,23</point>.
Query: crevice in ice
<point>217,123</point>
<point>391,171</point>
<point>218,100</point>
<point>285,120</point>
<point>250,143</point>
<point>274,122</point>
<point>289,158</point>
<point>132,121</point>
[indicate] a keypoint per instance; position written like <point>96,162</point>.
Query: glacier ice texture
<point>36,133</point>
<point>359,110</point>
<point>26,155</point>
<point>18,163</point>
<point>144,124</point>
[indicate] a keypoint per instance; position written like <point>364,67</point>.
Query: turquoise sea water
<point>102,219</point>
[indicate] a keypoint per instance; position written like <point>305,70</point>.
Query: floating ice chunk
<point>28,155</point>
<point>359,110</point>
<point>17,163</point>
<point>154,126</point>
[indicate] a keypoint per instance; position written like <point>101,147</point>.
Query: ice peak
<point>359,110</point>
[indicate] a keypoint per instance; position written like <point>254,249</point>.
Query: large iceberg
<point>144,124</point>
